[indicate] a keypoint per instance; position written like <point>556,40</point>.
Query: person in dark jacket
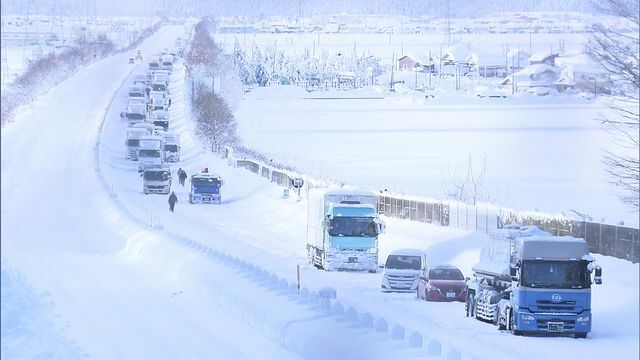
<point>182,176</point>
<point>173,199</point>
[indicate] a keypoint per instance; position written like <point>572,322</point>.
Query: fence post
<point>615,244</point>
<point>600,238</point>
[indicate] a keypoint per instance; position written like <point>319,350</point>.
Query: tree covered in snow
<point>618,53</point>
<point>215,124</point>
<point>270,64</point>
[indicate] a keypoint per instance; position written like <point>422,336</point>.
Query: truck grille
<point>562,306</point>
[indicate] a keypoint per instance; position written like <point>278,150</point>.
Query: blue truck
<point>530,282</point>
<point>342,229</point>
<point>205,188</point>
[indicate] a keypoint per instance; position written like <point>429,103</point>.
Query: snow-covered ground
<point>92,267</point>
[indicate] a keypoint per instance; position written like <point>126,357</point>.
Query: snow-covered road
<point>116,288</point>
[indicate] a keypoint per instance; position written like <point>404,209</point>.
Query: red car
<point>442,283</point>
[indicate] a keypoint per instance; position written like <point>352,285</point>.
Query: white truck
<point>156,181</point>
<point>342,229</point>
<point>133,141</point>
<point>171,147</point>
<point>161,118</point>
<point>134,113</point>
<point>151,153</point>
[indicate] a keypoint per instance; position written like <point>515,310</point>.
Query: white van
<point>402,270</point>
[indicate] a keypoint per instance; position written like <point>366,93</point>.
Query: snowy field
<point>91,267</point>
<point>541,153</point>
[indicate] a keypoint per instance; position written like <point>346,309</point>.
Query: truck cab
<point>531,282</point>
<point>161,118</point>
<point>342,229</point>
<point>156,181</point>
<point>205,188</point>
<point>151,153</point>
<point>133,142</point>
<point>134,113</point>
<point>172,147</point>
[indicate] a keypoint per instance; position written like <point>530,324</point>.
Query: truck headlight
<point>527,317</point>
<point>583,319</point>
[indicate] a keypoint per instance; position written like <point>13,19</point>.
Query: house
<point>543,58</point>
<point>586,74</point>
<point>410,63</point>
<point>533,76</point>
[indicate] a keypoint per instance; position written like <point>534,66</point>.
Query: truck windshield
<point>133,142</point>
<point>445,274</point>
<point>352,226</point>
<point>144,153</point>
<point>171,148</point>
<point>403,262</point>
<point>204,181</point>
<point>135,116</point>
<point>156,175</point>
<point>555,274</point>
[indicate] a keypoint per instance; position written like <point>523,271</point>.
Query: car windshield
<point>402,262</point>
<point>159,87</point>
<point>133,142</point>
<point>352,226</point>
<point>156,175</point>
<point>445,274</point>
<point>171,148</point>
<point>555,274</point>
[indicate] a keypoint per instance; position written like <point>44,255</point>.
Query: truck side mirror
<point>513,272</point>
<point>598,275</point>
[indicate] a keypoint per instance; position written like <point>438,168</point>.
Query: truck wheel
<point>372,271</point>
<point>580,335</point>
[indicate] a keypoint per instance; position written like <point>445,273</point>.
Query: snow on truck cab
<point>403,269</point>
<point>531,282</point>
<point>205,188</point>
<point>342,229</point>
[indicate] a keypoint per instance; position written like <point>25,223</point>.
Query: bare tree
<point>215,123</point>
<point>616,49</point>
<point>468,187</point>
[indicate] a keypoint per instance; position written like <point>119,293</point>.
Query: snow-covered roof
<point>536,57</point>
<point>537,69</point>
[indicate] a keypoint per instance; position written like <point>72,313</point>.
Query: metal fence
<point>611,240</point>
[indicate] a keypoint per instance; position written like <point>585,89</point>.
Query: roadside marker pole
<point>298,276</point>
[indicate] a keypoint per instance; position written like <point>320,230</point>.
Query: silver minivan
<point>402,270</point>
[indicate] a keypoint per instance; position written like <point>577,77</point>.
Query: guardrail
<point>612,240</point>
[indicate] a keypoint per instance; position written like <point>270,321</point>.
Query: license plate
<point>555,327</point>
<point>353,259</point>
<point>451,294</point>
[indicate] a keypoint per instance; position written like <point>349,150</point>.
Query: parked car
<point>442,283</point>
<point>402,269</point>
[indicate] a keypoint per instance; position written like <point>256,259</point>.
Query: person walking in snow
<point>182,176</point>
<point>173,199</point>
